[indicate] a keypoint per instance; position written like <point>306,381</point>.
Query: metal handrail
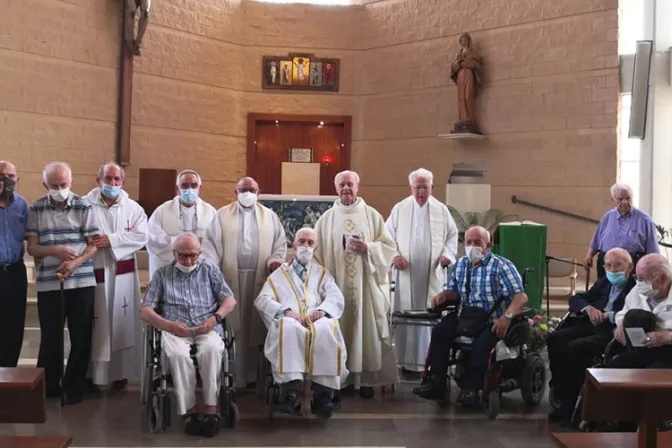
<point>516,200</point>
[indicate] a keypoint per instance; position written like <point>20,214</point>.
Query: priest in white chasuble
<point>185,213</point>
<point>116,346</point>
<point>426,237</point>
<point>247,241</point>
<point>354,245</point>
<point>300,305</point>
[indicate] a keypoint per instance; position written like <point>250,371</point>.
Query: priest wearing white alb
<point>354,245</point>
<point>300,305</point>
<point>247,241</point>
<point>185,213</point>
<point>116,343</point>
<point>426,237</point>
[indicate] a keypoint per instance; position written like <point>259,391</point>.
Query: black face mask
<point>8,186</point>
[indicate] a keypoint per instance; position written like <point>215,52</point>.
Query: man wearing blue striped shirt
<point>480,278</point>
<point>60,229</point>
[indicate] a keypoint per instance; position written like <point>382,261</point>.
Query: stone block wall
<point>548,105</point>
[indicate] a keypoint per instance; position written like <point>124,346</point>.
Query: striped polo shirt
<point>69,227</point>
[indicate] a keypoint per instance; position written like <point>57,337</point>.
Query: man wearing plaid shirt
<point>192,299</point>
<point>490,277</point>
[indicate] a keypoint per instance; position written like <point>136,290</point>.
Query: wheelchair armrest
<point>417,314</point>
<point>528,313</point>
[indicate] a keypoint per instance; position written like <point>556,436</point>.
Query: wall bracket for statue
<point>466,73</point>
<point>300,72</point>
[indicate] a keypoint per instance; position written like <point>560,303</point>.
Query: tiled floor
<point>398,420</point>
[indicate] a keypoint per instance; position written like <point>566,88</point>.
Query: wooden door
<point>269,143</point>
<point>156,187</point>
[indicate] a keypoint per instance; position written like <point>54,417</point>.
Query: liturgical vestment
<point>364,281</point>
<point>293,348</point>
<point>116,346</point>
<point>423,235</point>
<point>244,242</point>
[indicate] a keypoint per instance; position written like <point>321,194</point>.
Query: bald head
<point>186,241</point>
<point>477,234</point>
<point>186,250</point>
<point>247,184</point>
<point>656,270</point>
<point>7,166</point>
<point>306,234</point>
<point>618,260</point>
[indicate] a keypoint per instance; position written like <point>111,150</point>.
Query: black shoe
<point>72,398</point>
<point>469,399</point>
<point>558,415</point>
<point>211,425</point>
<point>323,405</point>
<point>289,403</point>
<point>367,392</point>
<point>194,426</point>
<point>430,391</point>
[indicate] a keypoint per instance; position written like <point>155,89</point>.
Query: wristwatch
<point>508,315</point>
<point>218,318</point>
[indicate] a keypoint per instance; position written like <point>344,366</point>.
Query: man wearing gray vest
<point>185,213</point>
<point>247,241</point>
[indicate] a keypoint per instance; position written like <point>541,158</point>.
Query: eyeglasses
<point>192,257</point>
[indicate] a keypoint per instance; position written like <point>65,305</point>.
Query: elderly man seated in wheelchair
<point>193,299</point>
<point>584,334</point>
<point>649,307</point>
<point>300,305</point>
<point>484,281</point>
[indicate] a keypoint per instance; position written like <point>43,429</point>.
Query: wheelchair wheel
<point>232,416</point>
<point>491,403</point>
<point>155,415</point>
<point>533,380</point>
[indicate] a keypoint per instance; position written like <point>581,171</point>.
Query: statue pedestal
<point>468,197</point>
<point>462,136</point>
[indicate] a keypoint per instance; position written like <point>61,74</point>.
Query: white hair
<point>183,237</point>
<point>51,166</point>
<point>621,252</point>
<point>422,173</point>
<point>305,230</point>
<point>343,173</point>
<point>101,170</point>
<point>182,173</point>
<point>620,187</point>
<point>487,233</point>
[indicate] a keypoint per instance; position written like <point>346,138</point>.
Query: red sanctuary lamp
<point>327,160</point>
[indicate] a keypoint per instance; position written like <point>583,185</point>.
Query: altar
<point>297,211</point>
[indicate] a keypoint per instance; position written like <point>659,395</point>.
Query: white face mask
<point>186,269</point>
<point>247,199</point>
<point>304,254</point>
<point>474,253</point>
<point>646,289</point>
<point>59,195</point>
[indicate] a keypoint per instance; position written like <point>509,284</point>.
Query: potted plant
<point>664,238</point>
<point>490,220</point>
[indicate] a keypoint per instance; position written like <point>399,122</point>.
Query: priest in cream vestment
<point>426,237</point>
<point>185,213</point>
<point>116,346</point>
<point>354,245</point>
<point>247,241</point>
<point>300,305</point>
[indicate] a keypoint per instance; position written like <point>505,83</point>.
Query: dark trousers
<point>13,291</point>
<point>642,357</point>
<point>443,336</point>
<point>78,312</point>
<point>571,351</point>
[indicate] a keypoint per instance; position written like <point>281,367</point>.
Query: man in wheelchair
<point>192,299</point>
<point>484,281</point>
<point>300,305</point>
<point>584,334</point>
<point>649,307</point>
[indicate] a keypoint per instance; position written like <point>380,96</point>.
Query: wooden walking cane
<point>62,298</point>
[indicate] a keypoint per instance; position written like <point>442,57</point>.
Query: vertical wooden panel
<point>156,187</point>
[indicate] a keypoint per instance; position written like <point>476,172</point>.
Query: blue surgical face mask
<point>109,191</point>
<point>616,278</point>
<point>189,195</point>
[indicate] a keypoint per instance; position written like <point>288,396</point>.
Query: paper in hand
<point>637,336</point>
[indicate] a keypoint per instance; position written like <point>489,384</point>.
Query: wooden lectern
<point>301,178</point>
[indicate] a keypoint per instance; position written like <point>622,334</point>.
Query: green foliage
<point>490,220</point>
<point>663,235</point>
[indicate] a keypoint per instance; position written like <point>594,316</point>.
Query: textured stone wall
<point>548,105</point>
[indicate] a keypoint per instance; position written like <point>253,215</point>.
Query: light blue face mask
<point>189,195</point>
<point>616,278</point>
<point>109,191</point>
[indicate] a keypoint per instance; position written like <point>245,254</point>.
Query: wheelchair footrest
<point>416,314</point>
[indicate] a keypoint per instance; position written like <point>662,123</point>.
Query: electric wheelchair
<point>511,364</point>
<point>156,380</point>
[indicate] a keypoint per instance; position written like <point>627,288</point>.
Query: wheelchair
<point>156,380</point>
<point>516,367</point>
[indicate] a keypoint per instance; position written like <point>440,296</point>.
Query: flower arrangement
<point>540,328</point>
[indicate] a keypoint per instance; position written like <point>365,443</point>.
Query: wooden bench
<point>22,394</point>
<point>610,439</point>
<point>631,395</point>
<point>35,441</point>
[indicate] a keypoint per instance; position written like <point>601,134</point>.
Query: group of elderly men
<point>322,313</point>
